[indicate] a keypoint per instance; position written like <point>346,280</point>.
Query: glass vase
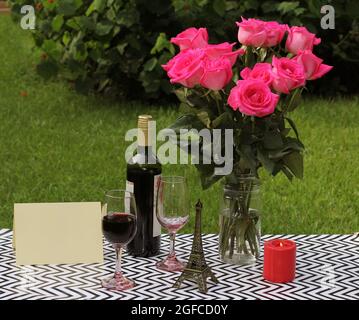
<point>240,221</point>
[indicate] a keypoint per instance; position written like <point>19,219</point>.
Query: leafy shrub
<point>103,45</point>
<point>119,45</point>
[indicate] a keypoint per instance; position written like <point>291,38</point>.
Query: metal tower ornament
<point>197,268</point>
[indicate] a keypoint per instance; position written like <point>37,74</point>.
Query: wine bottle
<point>143,173</point>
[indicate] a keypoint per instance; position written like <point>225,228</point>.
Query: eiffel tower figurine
<point>197,268</point>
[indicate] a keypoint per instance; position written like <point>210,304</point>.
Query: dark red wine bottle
<point>143,173</point>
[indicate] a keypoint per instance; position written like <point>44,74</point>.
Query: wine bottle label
<point>130,188</point>
<point>156,224</point>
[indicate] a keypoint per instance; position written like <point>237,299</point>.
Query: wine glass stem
<point>118,270</point>
<point>172,244</point>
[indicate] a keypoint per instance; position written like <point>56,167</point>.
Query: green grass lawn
<point>58,146</point>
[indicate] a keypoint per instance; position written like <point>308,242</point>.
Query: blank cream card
<point>58,233</point>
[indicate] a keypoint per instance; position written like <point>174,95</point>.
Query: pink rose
<point>253,97</point>
<point>191,38</point>
<point>214,51</point>
<point>299,38</point>
<point>275,33</point>
<point>186,67</point>
<point>258,33</point>
<point>288,74</point>
<point>251,32</point>
<point>261,71</point>
<point>216,73</point>
<point>313,66</point>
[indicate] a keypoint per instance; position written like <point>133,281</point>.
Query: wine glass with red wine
<point>119,228</point>
<point>172,213</point>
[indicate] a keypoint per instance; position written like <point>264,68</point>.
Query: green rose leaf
<point>187,121</point>
<point>207,175</point>
<point>294,162</point>
<point>292,124</point>
<point>185,108</point>
<point>272,140</point>
<point>290,145</point>
<point>293,100</point>
<point>265,160</point>
<point>203,116</point>
<point>225,120</point>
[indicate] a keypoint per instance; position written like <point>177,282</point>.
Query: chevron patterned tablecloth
<point>327,268</point>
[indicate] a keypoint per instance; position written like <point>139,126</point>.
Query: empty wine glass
<point>172,213</point>
<point>119,228</point>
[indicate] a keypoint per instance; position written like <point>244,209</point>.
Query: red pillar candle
<point>279,260</point>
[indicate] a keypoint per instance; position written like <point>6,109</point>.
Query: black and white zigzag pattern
<point>327,268</point>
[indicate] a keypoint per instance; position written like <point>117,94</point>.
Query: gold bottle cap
<point>142,126</point>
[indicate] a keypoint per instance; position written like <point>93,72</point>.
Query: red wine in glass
<point>118,227</point>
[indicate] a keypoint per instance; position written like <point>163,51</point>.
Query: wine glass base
<point>117,283</point>
<point>171,264</point>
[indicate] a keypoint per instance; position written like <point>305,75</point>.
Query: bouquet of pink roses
<point>250,90</point>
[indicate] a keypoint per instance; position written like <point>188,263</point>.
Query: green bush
<point>114,46</point>
<point>103,45</point>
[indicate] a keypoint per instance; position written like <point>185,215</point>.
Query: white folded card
<point>58,233</point>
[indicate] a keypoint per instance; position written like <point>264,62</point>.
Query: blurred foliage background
<point>116,47</point>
